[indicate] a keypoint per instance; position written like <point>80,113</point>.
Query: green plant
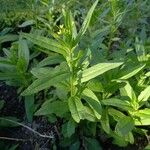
<point>71,77</point>
<point>74,71</point>
<point>94,75</point>
<point>14,68</point>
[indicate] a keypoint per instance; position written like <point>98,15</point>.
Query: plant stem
<point>72,74</point>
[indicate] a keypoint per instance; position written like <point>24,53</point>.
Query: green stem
<point>72,75</point>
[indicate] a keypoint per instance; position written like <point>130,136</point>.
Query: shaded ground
<point>15,107</point>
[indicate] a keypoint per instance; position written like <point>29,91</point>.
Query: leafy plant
<point>74,71</point>
<point>14,70</point>
<point>93,74</point>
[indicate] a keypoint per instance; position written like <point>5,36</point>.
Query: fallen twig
<point>27,127</point>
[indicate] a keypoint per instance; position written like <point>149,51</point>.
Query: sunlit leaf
<point>123,104</point>
<point>85,23</point>
<point>93,101</point>
<point>97,70</point>
<point>46,43</point>
<point>144,95</point>
<point>45,82</point>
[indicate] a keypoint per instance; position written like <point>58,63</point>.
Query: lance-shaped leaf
<point>86,23</point>
<point>45,82</point>
<point>127,90</point>
<point>46,43</point>
<point>117,103</point>
<point>97,70</point>
<point>147,74</point>
<point>8,37</point>
<point>92,144</point>
<point>145,94</point>
<point>23,52</point>
<point>6,64</point>
<point>124,126</point>
<point>116,114</point>
<point>29,107</point>
<point>142,117</point>
<point>68,129</point>
<point>42,71</point>
<point>105,121</point>
<point>51,60</point>
<point>76,108</point>
<point>9,76</point>
<point>93,101</point>
<point>70,24</point>
<point>129,72</point>
<point>57,107</point>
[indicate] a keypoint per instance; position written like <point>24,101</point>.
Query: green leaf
<point>6,64</point>
<point>144,95</point>
<point>29,107</point>
<point>122,141</point>
<point>52,118</point>
<point>105,121</point>
<point>45,82</point>
<point>116,114</point>
<point>8,75</point>
<point>43,71</point>
<point>57,107</point>
<point>8,37</point>
<point>124,126</point>
<point>97,70</point>
<point>89,114</point>
<point>95,85</point>
<point>140,50</point>
<point>4,121</point>
<point>93,101</point>
<point>51,60</point>
<point>75,146</point>
<point>70,24</point>
<point>86,23</point>
<point>62,91</point>
<point>147,147</point>
<point>76,108</point>
<point>13,147</point>
<point>127,90</point>
<point>125,105</point>
<point>46,43</point>
<point>71,125</point>
<point>68,129</point>
<point>147,74</point>
<point>23,51</point>
<point>27,23</point>
<point>79,111</point>
<point>142,117</point>
<point>92,144</point>
<point>130,71</point>
<point>130,138</point>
